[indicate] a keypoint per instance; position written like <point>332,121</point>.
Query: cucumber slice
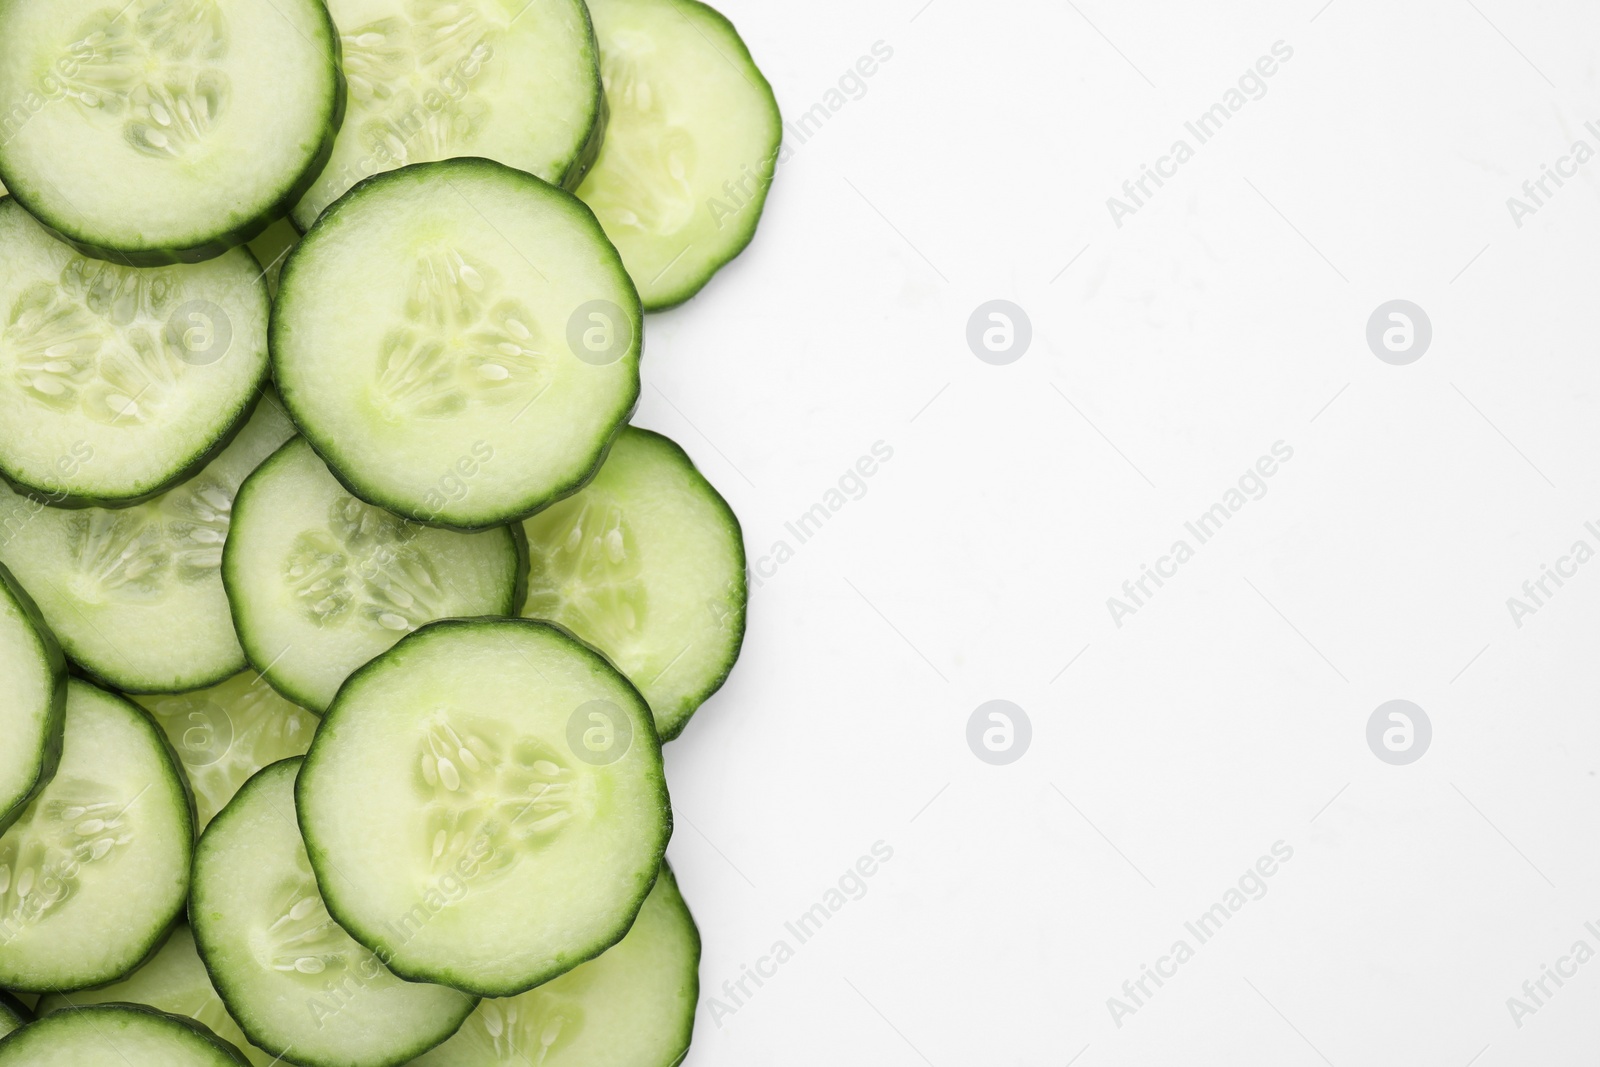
<point>512,80</point>
<point>293,980</point>
<point>33,703</point>
<point>164,131</point>
<point>633,1006</point>
<point>271,247</point>
<point>135,595</point>
<point>459,341</point>
<point>117,383</point>
<point>484,805</point>
<point>320,582</point>
<point>175,981</point>
<point>227,733</point>
<point>690,148</point>
<point>646,563</point>
<point>94,874</point>
<point>12,1013</point>
<point>116,1035</point>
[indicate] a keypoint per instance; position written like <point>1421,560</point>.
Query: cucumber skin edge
<point>56,661</point>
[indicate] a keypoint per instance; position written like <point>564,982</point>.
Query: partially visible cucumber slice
<point>227,733</point>
<point>459,341</point>
<point>271,247</point>
<point>514,81</point>
<point>175,981</point>
<point>690,148</point>
<point>116,383</point>
<point>320,582</point>
<point>33,701</point>
<point>484,805</point>
<point>646,563</point>
<point>94,874</point>
<point>135,594</point>
<point>632,1006</point>
<point>294,981</point>
<point>117,1035</point>
<point>12,1013</point>
<point>161,131</point>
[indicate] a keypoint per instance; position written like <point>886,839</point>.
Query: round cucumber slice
<point>321,582</point>
<point>293,980</point>
<point>164,131</point>
<point>484,805</point>
<point>34,701</point>
<point>117,1035</point>
<point>646,563</point>
<point>175,981</point>
<point>117,382</point>
<point>94,874</point>
<point>13,1013</point>
<point>633,1006</point>
<point>514,81</point>
<point>225,734</point>
<point>459,341</point>
<point>135,594</point>
<point>691,144</point>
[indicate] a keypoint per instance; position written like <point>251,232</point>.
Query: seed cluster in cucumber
<point>343,613</point>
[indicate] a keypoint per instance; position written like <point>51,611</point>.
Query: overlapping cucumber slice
<point>117,1035</point>
<point>321,582</point>
<point>161,131</point>
<point>484,805</point>
<point>33,699</point>
<point>95,872</point>
<point>135,594</point>
<point>225,734</point>
<point>691,144</point>
<point>118,382</point>
<point>13,1013</point>
<point>459,341</point>
<point>647,564</point>
<point>516,82</point>
<point>295,982</point>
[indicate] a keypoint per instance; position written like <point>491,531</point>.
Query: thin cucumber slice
<point>512,80</point>
<point>633,1006</point>
<point>320,582</point>
<point>117,1035</point>
<point>94,874</point>
<point>227,733</point>
<point>116,383</point>
<point>690,148</point>
<point>175,981</point>
<point>292,979</point>
<point>459,341</point>
<point>33,700</point>
<point>484,805</point>
<point>271,247</point>
<point>135,594</point>
<point>164,131</point>
<point>646,563</point>
<point>13,1013</point>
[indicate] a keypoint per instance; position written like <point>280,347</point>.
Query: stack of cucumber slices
<point>343,616</point>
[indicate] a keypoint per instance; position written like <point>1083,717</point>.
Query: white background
<point>1230,712</point>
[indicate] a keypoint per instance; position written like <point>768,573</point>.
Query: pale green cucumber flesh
<point>33,704</point>
<point>116,383</point>
<point>320,582</point>
<point>691,145</point>
<point>459,341</point>
<point>631,1006</point>
<point>646,563</point>
<point>95,872</point>
<point>117,1035</point>
<point>212,115</point>
<point>293,980</point>
<point>518,83</point>
<point>135,594</point>
<point>484,805</point>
